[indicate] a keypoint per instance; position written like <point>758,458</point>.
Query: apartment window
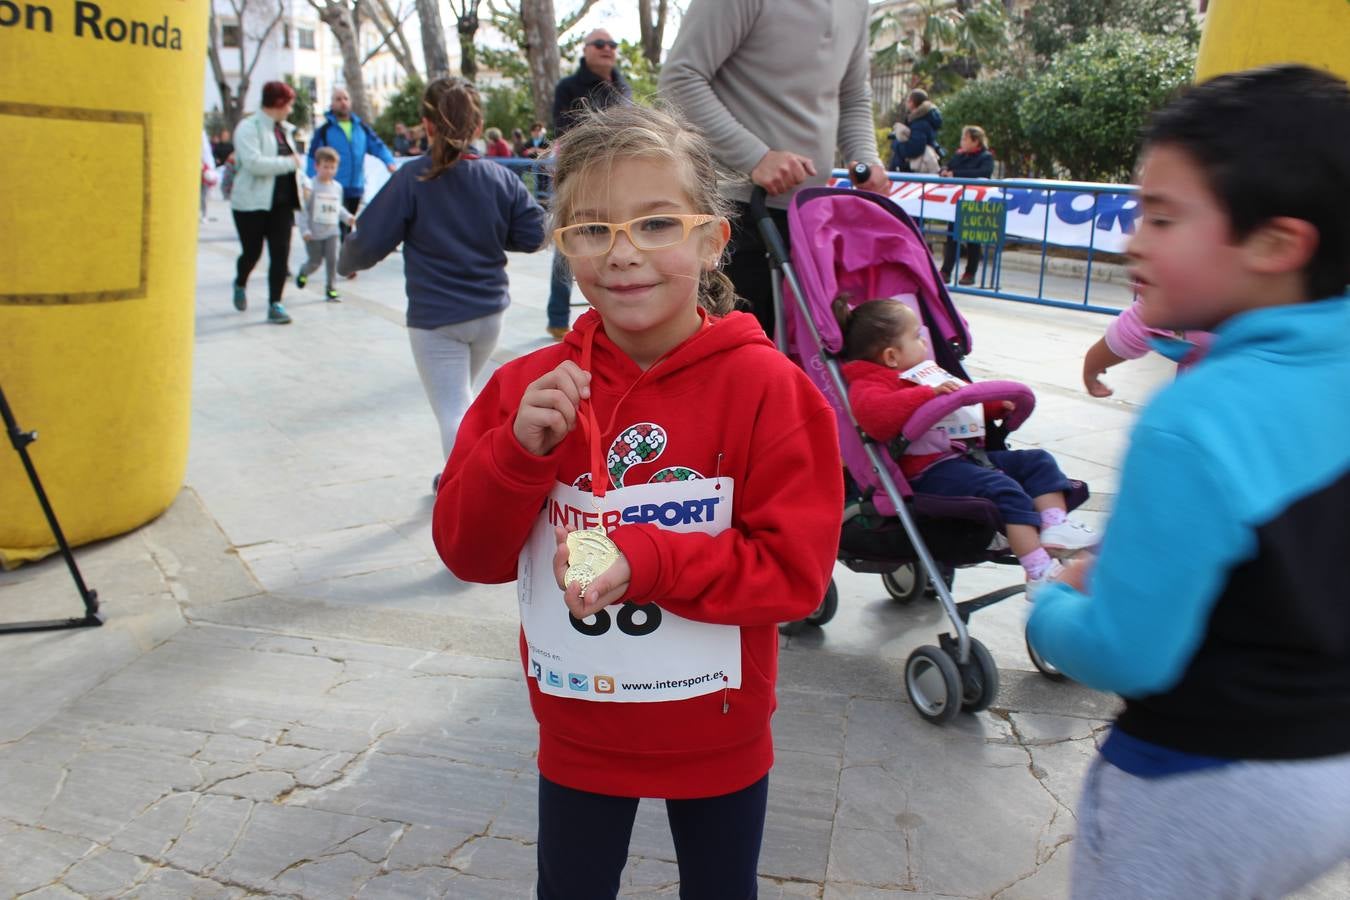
<point>286,36</point>
<point>229,35</point>
<point>305,38</point>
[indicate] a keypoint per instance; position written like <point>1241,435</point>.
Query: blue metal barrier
<point>534,172</point>
<point>1094,218</point>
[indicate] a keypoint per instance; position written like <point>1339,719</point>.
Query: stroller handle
<point>759,214</point>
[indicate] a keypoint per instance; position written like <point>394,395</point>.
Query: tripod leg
<point>21,439</point>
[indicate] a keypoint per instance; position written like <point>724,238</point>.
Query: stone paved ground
<point>293,698</point>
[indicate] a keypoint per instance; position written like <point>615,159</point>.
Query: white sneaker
<point>1051,574</point>
<point>1068,535</point>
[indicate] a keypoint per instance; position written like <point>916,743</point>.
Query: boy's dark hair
<point>327,154</point>
<point>918,96</point>
<point>1273,141</point>
<point>871,326</point>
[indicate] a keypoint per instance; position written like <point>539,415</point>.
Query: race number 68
<point>633,620</point>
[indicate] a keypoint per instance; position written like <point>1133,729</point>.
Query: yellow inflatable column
<point>100,167</point>
<point>1243,34</point>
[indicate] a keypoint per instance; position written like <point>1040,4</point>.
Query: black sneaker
<point>301,280</point>
<point>240,299</point>
<point>435,482</point>
<point>332,296</point>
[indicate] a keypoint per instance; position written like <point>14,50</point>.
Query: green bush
<point>507,107</point>
<point>405,107</point>
<point>1085,112</point>
<point>992,105</point>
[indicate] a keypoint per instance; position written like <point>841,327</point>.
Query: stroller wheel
<point>1042,664</point>
<point>979,679</point>
<point>824,612</point>
<point>934,684</point>
<point>906,584</point>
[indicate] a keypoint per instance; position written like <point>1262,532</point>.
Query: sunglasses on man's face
<point>604,45</point>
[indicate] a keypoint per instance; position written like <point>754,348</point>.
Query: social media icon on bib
<point>578,682</point>
<point>554,679</point>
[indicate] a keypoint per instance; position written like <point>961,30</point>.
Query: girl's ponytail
<point>842,307</point>
<point>455,111</point>
<point>716,293</point>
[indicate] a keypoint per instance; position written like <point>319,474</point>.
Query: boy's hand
<point>947,387</point>
<point>306,236</point>
<point>1093,382</point>
<point>607,589</point>
<point>548,410</point>
<point>1076,572</point>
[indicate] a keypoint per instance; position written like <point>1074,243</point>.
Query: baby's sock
<point>1052,516</point>
<point>1036,563</point>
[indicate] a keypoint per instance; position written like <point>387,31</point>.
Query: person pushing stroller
<point>884,343</point>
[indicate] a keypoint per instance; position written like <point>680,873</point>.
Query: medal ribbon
<point>590,428</point>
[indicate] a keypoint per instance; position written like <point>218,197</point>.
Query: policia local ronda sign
<point>100,162</point>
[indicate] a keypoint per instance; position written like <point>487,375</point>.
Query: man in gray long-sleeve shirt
<point>775,85</point>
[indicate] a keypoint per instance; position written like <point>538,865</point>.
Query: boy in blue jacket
<point>1217,607</point>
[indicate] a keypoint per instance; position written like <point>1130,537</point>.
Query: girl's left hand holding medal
<point>607,588</point>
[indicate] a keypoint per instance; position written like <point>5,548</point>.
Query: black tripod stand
<point>92,618</point>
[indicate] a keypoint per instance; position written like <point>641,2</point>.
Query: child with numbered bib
<point>320,215</point>
<point>666,487</point>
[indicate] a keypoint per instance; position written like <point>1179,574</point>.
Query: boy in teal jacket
<point>1218,607</point>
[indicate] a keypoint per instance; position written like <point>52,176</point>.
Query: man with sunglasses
<point>597,83</point>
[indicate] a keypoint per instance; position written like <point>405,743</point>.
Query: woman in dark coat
<point>973,160</point>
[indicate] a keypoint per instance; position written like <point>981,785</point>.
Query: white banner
<point>1076,218</point>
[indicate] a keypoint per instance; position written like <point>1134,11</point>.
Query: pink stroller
<point>862,243</point>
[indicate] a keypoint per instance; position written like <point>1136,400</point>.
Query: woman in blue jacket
<point>973,160</point>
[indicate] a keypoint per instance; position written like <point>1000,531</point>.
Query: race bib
<point>964,423</point>
<point>628,652</point>
<point>326,211</point>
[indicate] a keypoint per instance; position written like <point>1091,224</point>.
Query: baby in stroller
<point>891,374</point>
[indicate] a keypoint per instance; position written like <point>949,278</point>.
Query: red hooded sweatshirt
<point>729,404</point>
<point>883,403</point>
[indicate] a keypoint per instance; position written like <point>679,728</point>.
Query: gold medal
<point>589,553</point>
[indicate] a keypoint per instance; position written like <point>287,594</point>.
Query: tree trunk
<point>391,28</point>
<point>652,32</point>
<point>467,26</point>
<point>338,17</point>
<point>433,39</point>
<point>541,51</point>
<point>229,104</point>
<point>232,99</point>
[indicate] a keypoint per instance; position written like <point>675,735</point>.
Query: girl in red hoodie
<point>672,425</point>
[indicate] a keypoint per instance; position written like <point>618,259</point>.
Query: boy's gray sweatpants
<point>449,359</point>
<point>1244,831</point>
<point>323,250</point>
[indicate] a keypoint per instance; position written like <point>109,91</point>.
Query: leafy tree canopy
<point>405,107</point>
<point>1052,25</point>
<point>1086,111</point>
